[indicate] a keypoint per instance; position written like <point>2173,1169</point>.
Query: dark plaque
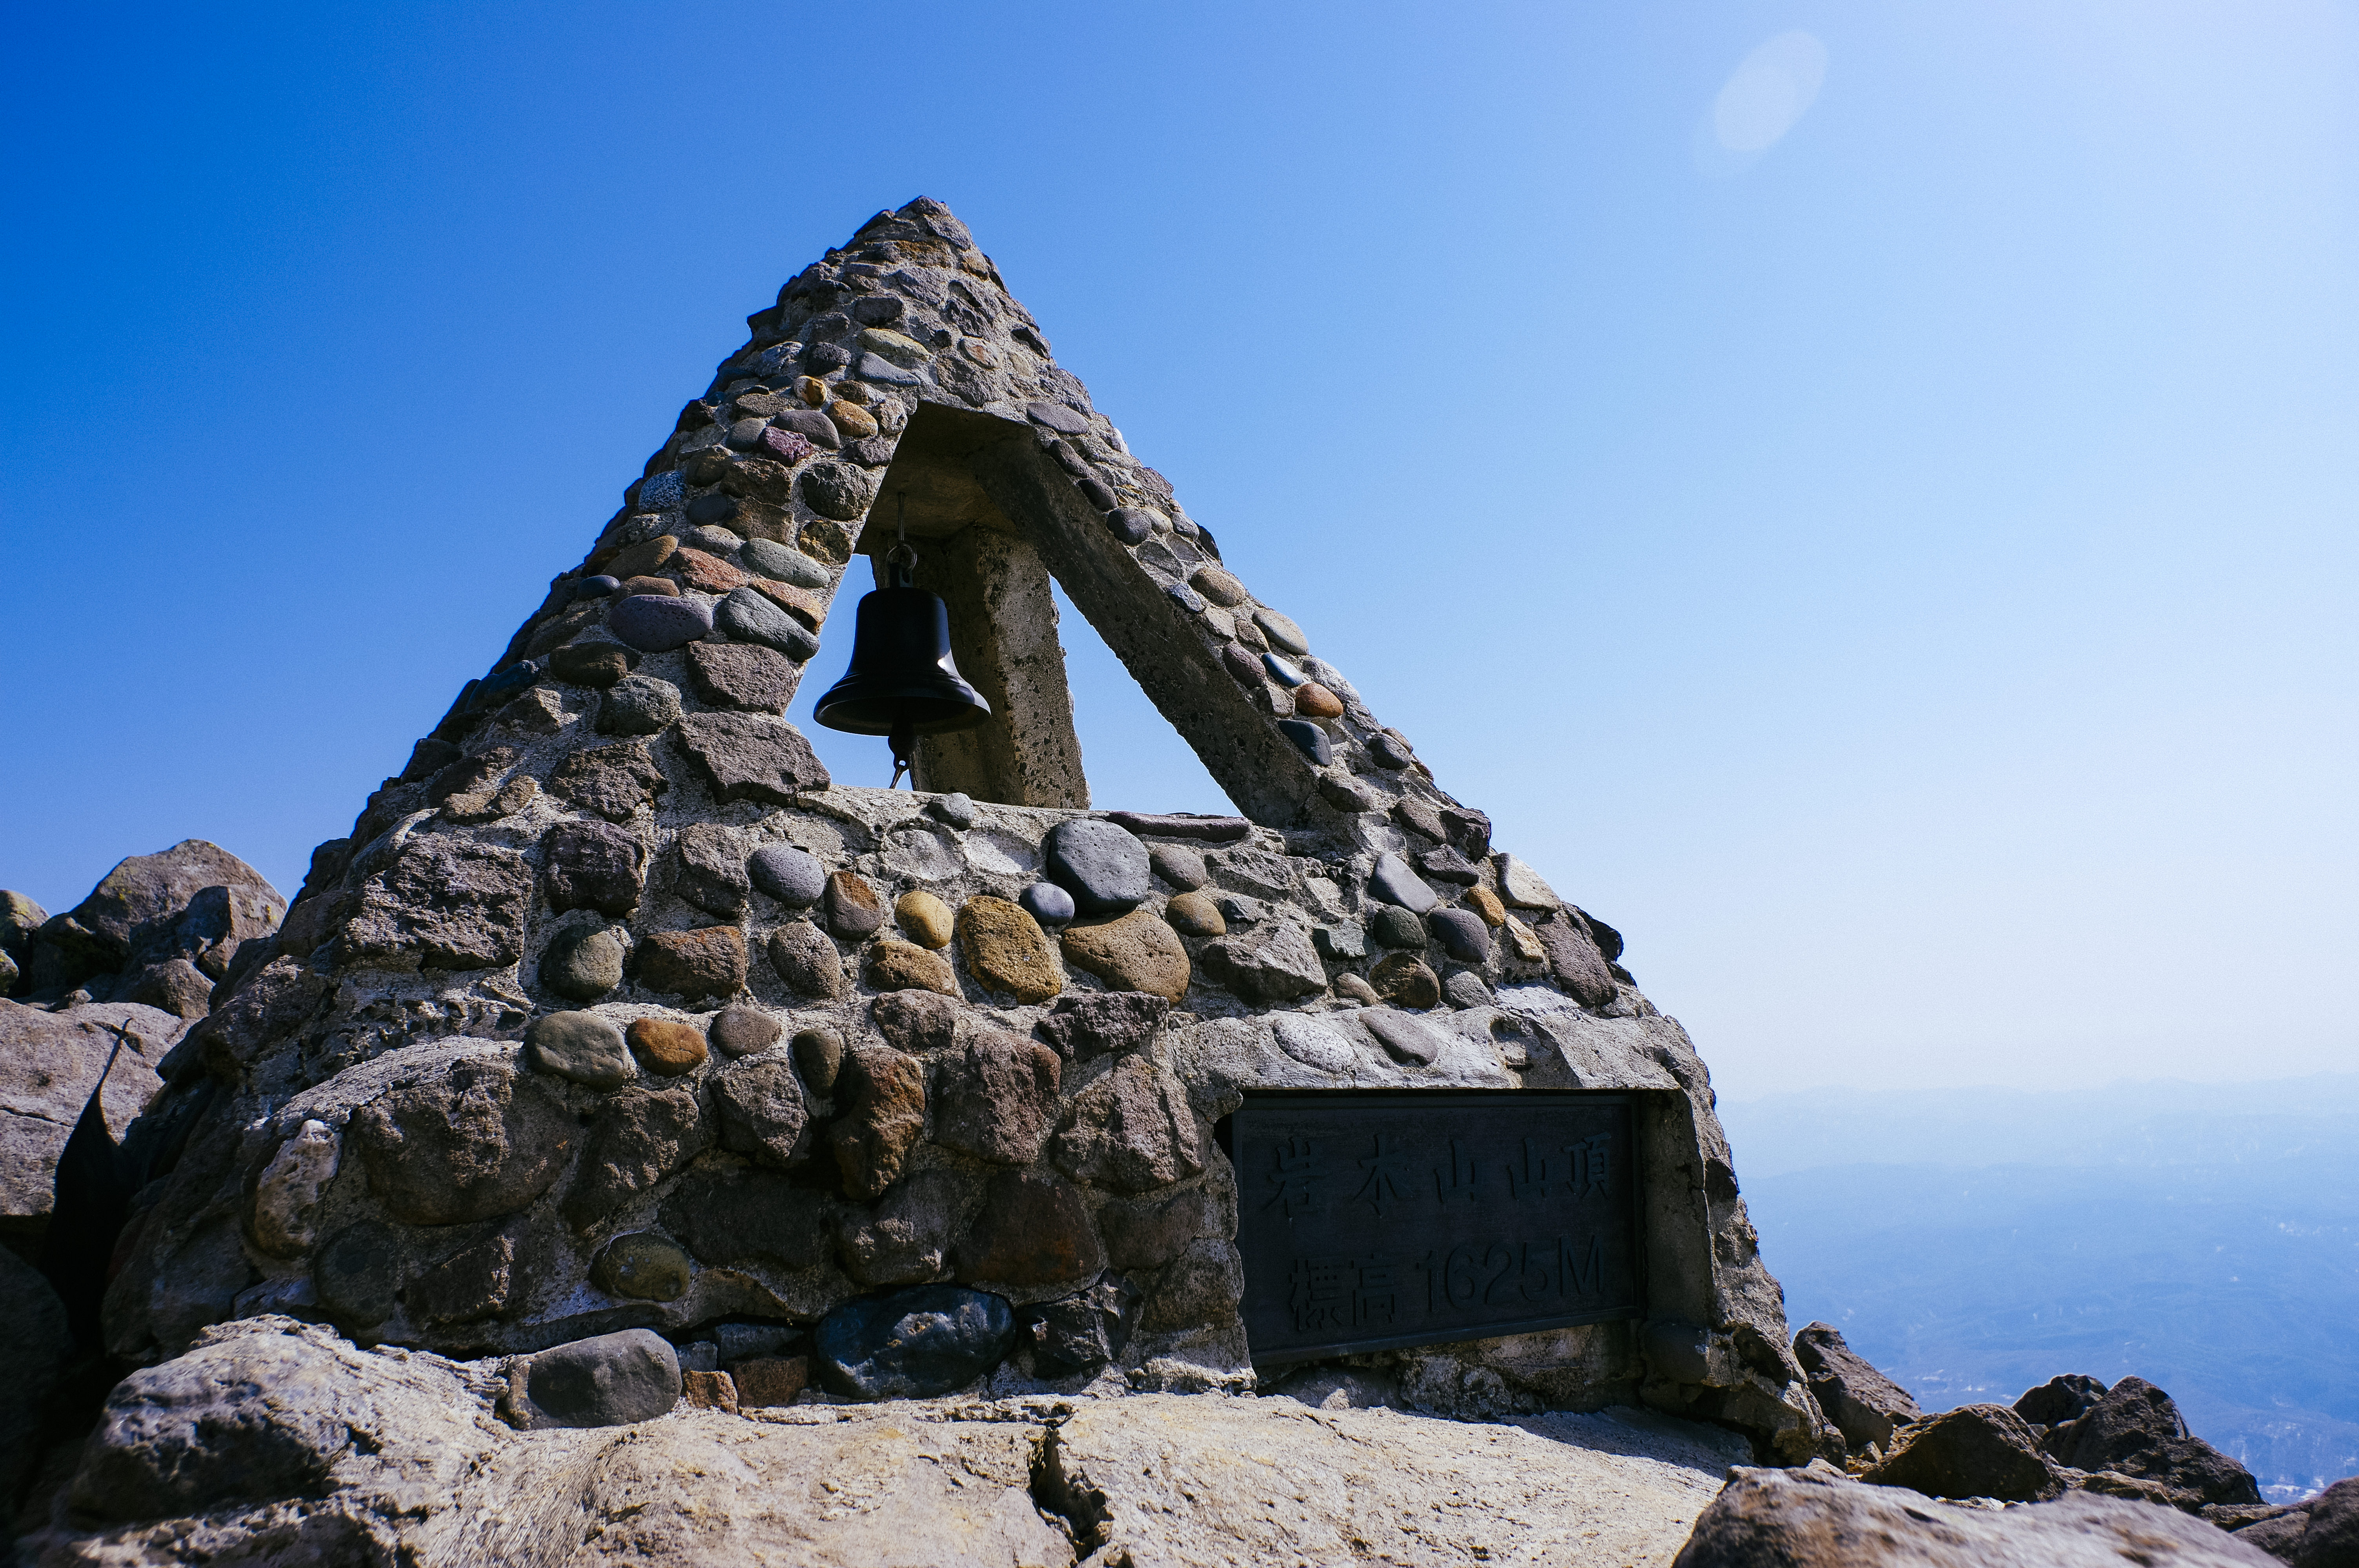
<point>1376,1218</point>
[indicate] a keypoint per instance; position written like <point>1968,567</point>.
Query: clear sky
<point>1863,494</point>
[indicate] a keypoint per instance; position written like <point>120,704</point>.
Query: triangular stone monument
<point>613,1012</point>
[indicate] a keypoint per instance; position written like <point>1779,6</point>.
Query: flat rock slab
<point>1799,1518</point>
<point>51,1065</point>
<point>1191,1480</point>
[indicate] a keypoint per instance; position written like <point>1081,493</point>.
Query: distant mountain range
<point>1975,1242</point>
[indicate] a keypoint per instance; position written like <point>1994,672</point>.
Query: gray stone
<point>742,674</point>
<point>614,781</point>
<point>2054,1402</point>
<point>1047,903</point>
<point>712,869</point>
<point>1789,1519</point>
<point>819,1057</point>
<point>1579,968</point>
<point>175,986</point>
<point>1862,1401</point>
<point>1130,524</point>
<point>1310,740</point>
<point>1347,793</point>
<point>1312,1041</point>
<point>784,563</point>
<point>1404,1037</point>
<point>762,1114</point>
<point>1082,1331</point>
<point>1270,962</point>
<point>357,1274</point>
<point>445,904</point>
<point>1464,988</point>
<point>592,865</point>
<point>654,623</point>
<point>473,1283</point>
<point>743,1030</point>
<point>1340,943</point>
<point>732,1216</point>
<point>1203,1285</point>
<point>1462,935</point>
<point>637,704</point>
<point>1178,865</point>
<point>749,617</point>
<point>476,1141</point>
<point>955,808</point>
<point>1444,864</point>
<point>1104,867</point>
<point>582,1046</point>
<point>40,1345</point>
<point>1391,927</point>
<point>2137,1430</point>
<point>792,876</point>
<point>836,491</point>
<point>913,1344</point>
<point>1057,417</point>
<point>1282,633</point>
<point>802,956</point>
<point>810,425</point>
<point>876,368</point>
<point>744,757</point>
<point>906,1238</point>
<point>1521,886</point>
<point>1100,1021</point>
<point>640,1136</point>
<point>1395,883</point>
<point>614,1380</point>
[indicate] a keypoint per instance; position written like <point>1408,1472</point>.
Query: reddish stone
<point>665,1046</point>
<point>800,604</point>
<point>693,964</point>
<point>709,1391</point>
<point>773,1380</point>
<point>786,446</point>
<point>706,573</point>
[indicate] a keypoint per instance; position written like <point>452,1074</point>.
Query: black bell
<point>901,682</point>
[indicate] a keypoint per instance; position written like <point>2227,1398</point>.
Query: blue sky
<point>1888,547</point>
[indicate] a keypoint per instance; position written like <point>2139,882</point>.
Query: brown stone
<point>706,573</point>
<point>1311,701</point>
<point>1136,953</point>
<point>661,586</point>
<point>1195,914</point>
<point>614,781</point>
<point>904,966</point>
<point>591,663</point>
<point>1148,1235</point>
<point>772,1380</point>
<point>1034,1231</point>
<point>1219,586</point>
<point>884,1096</point>
<point>1404,977</point>
<point>474,1143</point>
<point>1007,951</point>
<point>708,1391</point>
<point>742,674</point>
<point>665,1046</point>
<point>825,542</point>
<point>852,421</point>
<point>924,917</point>
<point>1130,1130</point>
<point>996,1097</point>
<point>799,602</point>
<point>1526,946</point>
<point>811,389</point>
<point>710,962</point>
<point>851,905</point>
<point>1355,988</point>
<point>1485,903</point>
<point>919,1021</point>
<point>490,806</point>
<point>640,559</point>
<point>806,960</point>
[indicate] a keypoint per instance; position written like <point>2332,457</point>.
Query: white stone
<point>1521,886</point>
<point>286,1198</point>
<point>1312,1042</point>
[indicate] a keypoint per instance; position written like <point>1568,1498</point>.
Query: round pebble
<point>656,625</point>
<point>1182,867</point>
<point>742,1030</point>
<point>583,965</point>
<point>819,1057</point>
<point>1283,633</point>
<point>1313,700</point>
<point>1195,914</point>
<point>714,541</point>
<point>1281,672</point>
<point>598,586</point>
<point>1047,903</point>
<point>926,918</point>
<point>1391,927</point>
<point>792,876</point>
<point>581,1046</point>
<point>644,1266</point>
<point>665,1046</point>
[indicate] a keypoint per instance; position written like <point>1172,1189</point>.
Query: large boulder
<point>1815,1519</point>
<point>2137,1430</point>
<point>141,913</point>
<point>2321,1532</point>
<point>51,1064</point>
<point>1974,1451</point>
<point>1857,1397</point>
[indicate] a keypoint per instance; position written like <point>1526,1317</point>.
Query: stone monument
<point>615,1016</point>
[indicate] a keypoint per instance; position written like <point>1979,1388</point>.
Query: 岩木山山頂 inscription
<point>1370,1219</point>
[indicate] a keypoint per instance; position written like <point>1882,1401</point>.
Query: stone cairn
<point>618,1039</point>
